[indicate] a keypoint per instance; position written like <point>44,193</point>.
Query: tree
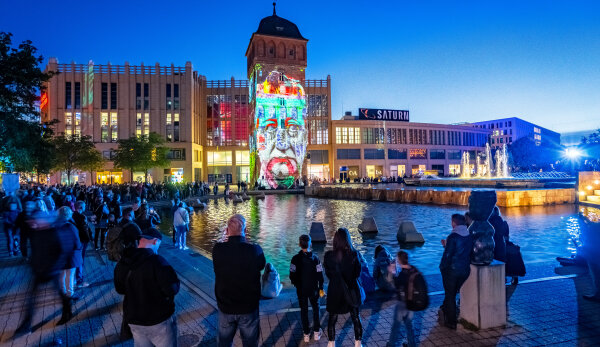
<point>76,153</point>
<point>44,155</point>
<point>527,156</point>
<point>21,81</point>
<point>141,153</point>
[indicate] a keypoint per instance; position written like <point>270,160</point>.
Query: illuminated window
<point>138,125</point>
<point>454,169</point>
<point>78,124</point>
<point>242,158</point>
<point>338,135</point>
<point>113,127</point>
<point>176,127</point>
<point>146,123</point>
<point>219,158</point>
<point>169,127</point>
<point>68,123</point>
<point>344,135</point>
<point>169,100</point>
<point>418,153</point>
<point>104,126</point>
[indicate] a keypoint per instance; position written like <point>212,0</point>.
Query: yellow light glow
<point>589,187</point>
<point>596,182</point>
<point>582,193</point>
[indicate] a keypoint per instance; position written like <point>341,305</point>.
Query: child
<point>306,274</point>
<point>270,283</point>
<point>402,314</point>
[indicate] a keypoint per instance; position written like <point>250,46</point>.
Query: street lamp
<point>573,153</point>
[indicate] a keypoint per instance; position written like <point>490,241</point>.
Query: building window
<point>176,154</point>
<point>169,127</point>
<point>113,127</point>
<point>169,102</point>
<point>418,153</point>
<point>138,96</point>
<point>104,96</point>
<point>348,153</point>
<point>176,96</point>
<point>176,127</point>
<point>113,96</point>
<point>454,155</point>
<point>138,124</point>
<point>319,156</point>
<point>104,126</point>
<point>78,124</point>
<point>68,95</point>
<point>219,158</point>
<point>68,124</point>
<point>437,154</point>
<point>396,153</point>
<point>77,95</point>
<point>372,153</point>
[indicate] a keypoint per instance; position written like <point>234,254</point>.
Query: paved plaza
<point>546,308</point>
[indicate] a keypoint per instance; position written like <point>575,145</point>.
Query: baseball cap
<point>131,232</point>
<point>152,233</point>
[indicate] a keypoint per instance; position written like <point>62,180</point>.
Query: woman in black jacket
<point>342,265</point>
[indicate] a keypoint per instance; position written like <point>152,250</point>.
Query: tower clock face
<point>280,130</point>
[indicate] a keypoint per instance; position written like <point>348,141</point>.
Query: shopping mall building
<point>211,128</point>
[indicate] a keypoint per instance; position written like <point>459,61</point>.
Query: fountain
<point>466,168</point>
<point>488,160</point>
<point>502,162</point>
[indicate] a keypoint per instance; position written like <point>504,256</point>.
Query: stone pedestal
<point>368,225</point>
<point>317,233</point>
<point>483,296</point>
<point>407,233</point>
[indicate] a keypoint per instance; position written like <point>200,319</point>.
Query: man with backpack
<point>122,236</point>
<point>412,296</point>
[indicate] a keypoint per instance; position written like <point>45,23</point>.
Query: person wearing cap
<point>149,284</point>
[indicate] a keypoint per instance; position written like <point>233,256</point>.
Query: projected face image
<point>281,134</point>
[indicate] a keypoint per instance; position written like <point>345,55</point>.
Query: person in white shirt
<point>181,221</point>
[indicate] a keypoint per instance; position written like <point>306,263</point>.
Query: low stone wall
<point>506,198</point>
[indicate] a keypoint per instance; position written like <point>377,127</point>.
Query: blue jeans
<point>402,315</point>
<point>163,334</point>
<point>247,323</point>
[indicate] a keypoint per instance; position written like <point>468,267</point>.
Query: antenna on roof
<point>274,13</point>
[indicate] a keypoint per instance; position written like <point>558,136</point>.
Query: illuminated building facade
<point>509,130</point>
<point>375,148</point>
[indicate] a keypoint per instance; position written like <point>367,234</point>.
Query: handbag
<point>354,298</point>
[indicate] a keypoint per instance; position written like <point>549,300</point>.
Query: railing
<point>122,69</point>
<point>227,84</point>
<point>540,175</point>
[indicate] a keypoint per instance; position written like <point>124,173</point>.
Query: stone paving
<point>545,309</point>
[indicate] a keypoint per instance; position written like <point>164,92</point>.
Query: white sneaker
<point>357,343</point>
<point>185,247</point>
<point>307,338</point>
<point>317,335</point>
<point>331,344</point>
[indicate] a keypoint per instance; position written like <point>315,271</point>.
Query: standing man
<point>237,265</point>
<point>590,250</point>
<point>455,266</point>
<point>85,236</point>
<point>149,284</point>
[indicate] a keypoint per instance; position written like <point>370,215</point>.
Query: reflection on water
<point>543,232</point>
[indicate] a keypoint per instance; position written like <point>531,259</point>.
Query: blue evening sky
<point>445,61</point>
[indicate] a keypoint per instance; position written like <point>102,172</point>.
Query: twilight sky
<point>445,61</point>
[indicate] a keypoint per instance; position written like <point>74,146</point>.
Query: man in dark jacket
<point>237,265</point>
<point>455,266</point>
<point>590,250</point>
<point>401,313</point>
<point>71,250</point>
<point>46,263</point>
<point>306,274</point>
<point>500,234</point>
<point>85,236</point>
<point>149,284</point>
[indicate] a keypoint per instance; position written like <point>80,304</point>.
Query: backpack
<point>114,243</point>
<point>416,294</point>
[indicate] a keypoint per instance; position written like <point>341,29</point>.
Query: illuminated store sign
<point>280,133</point>
<point>417,153</point>
<point>377,114</point>
<point>43,100</point>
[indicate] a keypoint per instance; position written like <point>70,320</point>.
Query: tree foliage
<point>21,81</point>
<point>76,153</point>
<point>141,153</point>
<point>527,156</point>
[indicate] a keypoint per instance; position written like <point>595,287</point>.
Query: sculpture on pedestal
<point>481,204</point>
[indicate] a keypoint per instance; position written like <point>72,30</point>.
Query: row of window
<point>413,153</point>
<point>141,102</point>
<point>497,125</point>
<point>352,135</point>
<point>109,123</point>
<point>173,154</point>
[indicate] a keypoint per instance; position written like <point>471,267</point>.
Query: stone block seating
<point>368,226</point>
<point>407,233</point>
<point>483,296</point>
<point>317,233</point>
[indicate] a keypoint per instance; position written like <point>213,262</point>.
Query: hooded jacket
<point>149,288</point>
<point>457,253</point>
<point>306,274</point>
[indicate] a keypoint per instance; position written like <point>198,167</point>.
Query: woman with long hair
<point>342,267</point>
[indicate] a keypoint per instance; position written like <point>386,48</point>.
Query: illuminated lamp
<point>582,193</point>
<point>596,182</point>
<point>589,187</point>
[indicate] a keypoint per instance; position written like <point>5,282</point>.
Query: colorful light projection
<point>280,132</point>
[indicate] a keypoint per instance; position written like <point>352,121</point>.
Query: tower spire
<point>274,13</point>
